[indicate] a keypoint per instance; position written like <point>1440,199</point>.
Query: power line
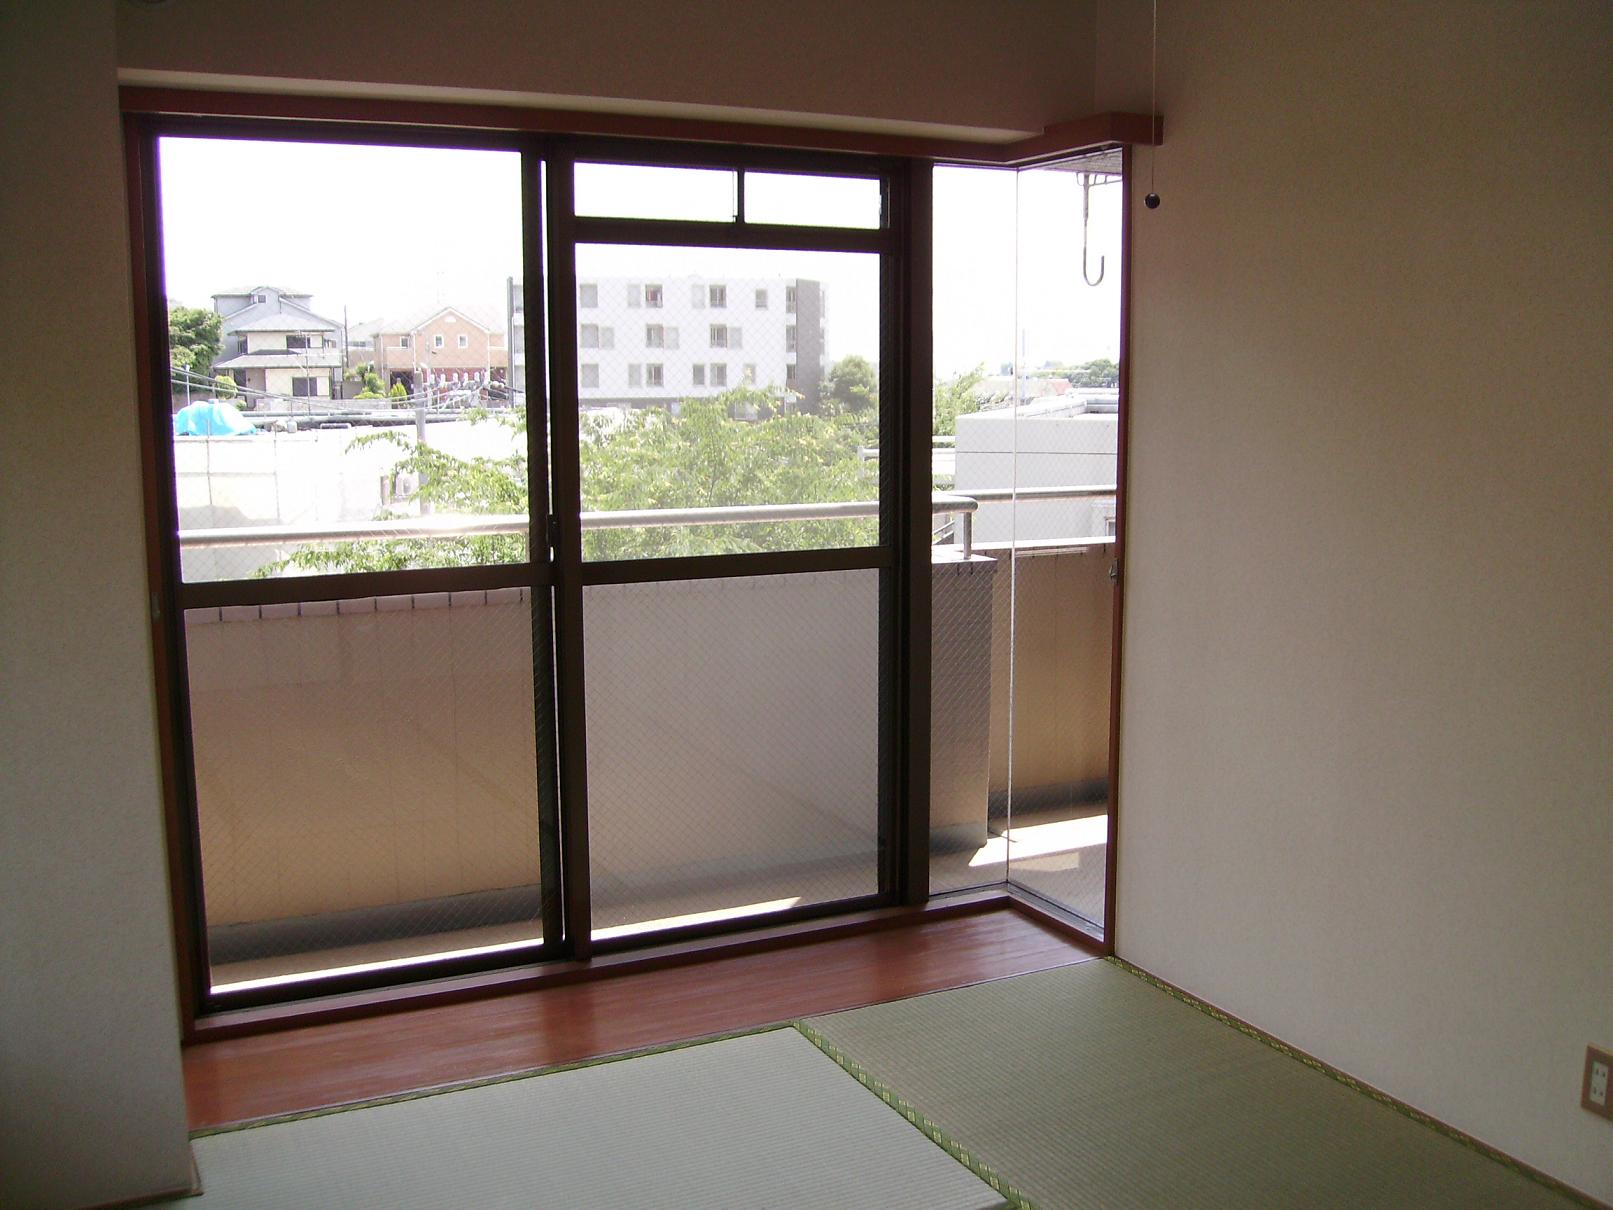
<point>184,377</point>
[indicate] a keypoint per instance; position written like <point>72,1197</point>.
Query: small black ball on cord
<point>1152,201</point>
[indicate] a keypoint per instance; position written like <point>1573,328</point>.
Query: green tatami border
<point>1011,1193</point>
<point>1365,1089</point>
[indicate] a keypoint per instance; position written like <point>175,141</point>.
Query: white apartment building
<point>645,342</point>
<point>1068,440</point>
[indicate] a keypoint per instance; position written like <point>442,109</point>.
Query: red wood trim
<point>1060,139</point>
<point>1118,620</point>
<point>1063,138</point>
<point>296,1014</point>
<point>1031,909</point>
<point>160,603</point>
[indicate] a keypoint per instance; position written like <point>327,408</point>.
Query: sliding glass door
<point>356,498</point>
<point>527,525</point>
<point>734,525</point>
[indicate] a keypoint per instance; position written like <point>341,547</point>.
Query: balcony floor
<point>1058,854</point>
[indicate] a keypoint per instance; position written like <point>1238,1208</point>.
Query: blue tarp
<point>211,418</point>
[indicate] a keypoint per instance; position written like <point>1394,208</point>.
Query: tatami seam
<point>1014,1196</point>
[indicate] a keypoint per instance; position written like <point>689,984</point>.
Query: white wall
<point>1014,66</point>
<point>1366,765</point>
<point>91,1107</point>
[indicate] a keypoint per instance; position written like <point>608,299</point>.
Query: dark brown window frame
<point>150,113</point>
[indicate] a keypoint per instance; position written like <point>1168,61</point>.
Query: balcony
<point>365,768</point>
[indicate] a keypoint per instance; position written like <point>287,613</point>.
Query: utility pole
<point>422,402</point>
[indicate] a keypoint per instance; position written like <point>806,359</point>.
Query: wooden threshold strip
<point>295,1014</point>
<point>338,1062</point>
<point>1054,142</point>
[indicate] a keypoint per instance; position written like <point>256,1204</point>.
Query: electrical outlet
<point>1596,1095</point>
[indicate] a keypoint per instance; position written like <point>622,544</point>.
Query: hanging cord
<point>1152,200</point>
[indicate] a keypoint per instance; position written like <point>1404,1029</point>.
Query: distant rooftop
<point>281,310</point>
<point>410,321</point>
<point>293,359</point>
<point>243,292</point>
<point>284,322</point>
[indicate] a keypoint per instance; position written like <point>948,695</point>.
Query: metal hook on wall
<point>1086,215</point>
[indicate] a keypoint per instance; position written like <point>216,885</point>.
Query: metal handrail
<point>448,525</point>
<point>993,495</point>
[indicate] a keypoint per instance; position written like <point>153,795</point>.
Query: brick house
<point>453,346</point>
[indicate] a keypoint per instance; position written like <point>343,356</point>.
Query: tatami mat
<point>1088,1087</point>
<point>763,1120</point>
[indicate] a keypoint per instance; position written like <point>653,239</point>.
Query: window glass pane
<point>974,228</point>
<point>735,416</point>
<point>812,201</point>
<point>1062,426</point>
<point>733,740</point>
<point>366,782</point>
<point>1025,435</point>
<point>341,357</point>
<point>638,191</point>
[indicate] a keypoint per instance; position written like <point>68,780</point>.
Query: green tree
<point>748,403</point>
<point>193,338</point>
<point>955,397</point>
<point>702,458</point>
<point>449,485</point>
<point>224,386</point>
<point>1099,372</point>
<point>852,387</point>
<point>398,392</point>
<point>649,459</point>
<point>374,388</point>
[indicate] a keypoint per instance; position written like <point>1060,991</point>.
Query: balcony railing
<point>942,504</point>
<point>364,770</point>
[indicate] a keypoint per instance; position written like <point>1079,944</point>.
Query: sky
<point>389,231</point>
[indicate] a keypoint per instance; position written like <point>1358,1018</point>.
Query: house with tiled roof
<point>273,344</point>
